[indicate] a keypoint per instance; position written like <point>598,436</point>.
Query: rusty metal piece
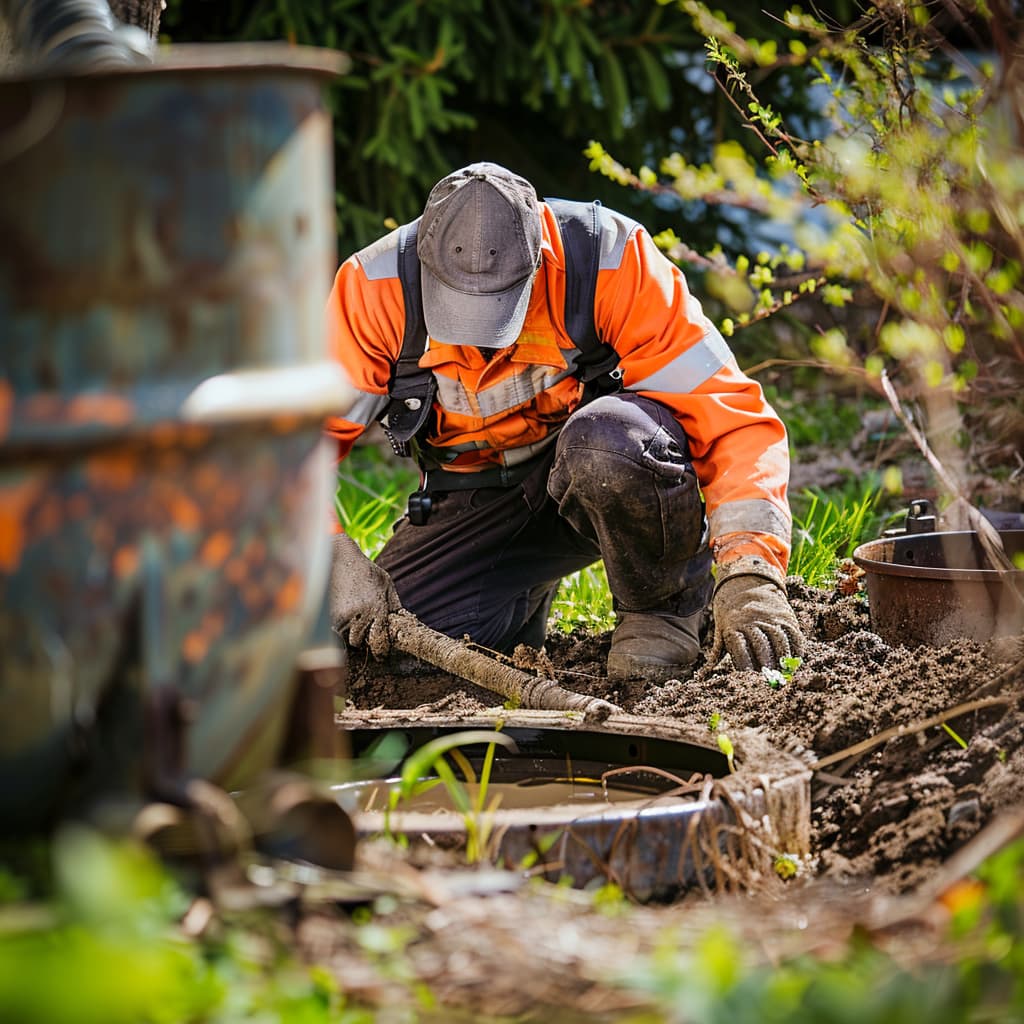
<point>167,250</point>
<point>654,847</point>
<point>932,588</point>
<point>311,735</point>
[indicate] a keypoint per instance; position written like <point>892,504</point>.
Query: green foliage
<point>426,767</point>
<point>584,599</point>
<point>828,529</point>
<point>106,949</point>
<point>978,976</point>
<point>436,85</point>
<point>907,207</point>
<point>814,419</point>
<point>371,496</point>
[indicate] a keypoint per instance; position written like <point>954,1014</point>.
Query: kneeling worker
<point>567,400</point>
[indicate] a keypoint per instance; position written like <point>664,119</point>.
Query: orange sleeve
<point>365,324</point>
<point>673,354</point>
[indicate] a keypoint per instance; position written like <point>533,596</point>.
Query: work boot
<point>654,646</point>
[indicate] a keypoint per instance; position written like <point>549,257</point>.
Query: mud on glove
<point>753,619</point>
<point>361,597</point>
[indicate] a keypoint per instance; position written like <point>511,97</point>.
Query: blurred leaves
<point>106,948</point>
<point>895,226</point>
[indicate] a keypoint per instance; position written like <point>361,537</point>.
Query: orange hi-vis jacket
<point>503,410</point>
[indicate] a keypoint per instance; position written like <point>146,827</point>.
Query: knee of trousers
<point>622,442</point>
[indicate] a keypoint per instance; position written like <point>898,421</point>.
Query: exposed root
<point>410,636</point>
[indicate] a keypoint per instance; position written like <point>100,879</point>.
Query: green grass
<point>828,526</point>
<point>584,599</point>
<point>371,496</point>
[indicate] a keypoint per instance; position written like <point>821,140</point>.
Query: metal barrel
<point>166,248</point>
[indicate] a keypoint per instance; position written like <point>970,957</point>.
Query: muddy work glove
<point>361,597</point>
<point>753,619</point>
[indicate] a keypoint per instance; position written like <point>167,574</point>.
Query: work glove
<point>753,619</point>
<point>361,597</point>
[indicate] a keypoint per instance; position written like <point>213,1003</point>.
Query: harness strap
<point>581,240</point>
<point>412,388</point>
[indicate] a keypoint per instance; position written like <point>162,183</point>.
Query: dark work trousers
<point>618,485</point>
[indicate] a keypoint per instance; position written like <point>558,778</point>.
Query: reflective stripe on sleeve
<point>692,368</point>
<point>366,408</point>
<point>751,515</point>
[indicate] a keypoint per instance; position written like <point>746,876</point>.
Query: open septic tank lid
<point>678,817</point>
<point>935,587</point>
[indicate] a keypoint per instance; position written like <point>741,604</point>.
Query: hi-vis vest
<point>413,388</point>
<point>499,412</point>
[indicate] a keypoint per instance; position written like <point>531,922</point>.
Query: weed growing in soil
<point>828,530</point>
<point>716,724</point>
<point>426,768</point>
<point>776,677</point>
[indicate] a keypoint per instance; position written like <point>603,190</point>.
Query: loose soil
<point>885,822</point>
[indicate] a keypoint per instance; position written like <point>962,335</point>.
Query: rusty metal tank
<point>166,248</point>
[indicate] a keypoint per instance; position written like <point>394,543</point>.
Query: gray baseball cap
<point>479,246</point>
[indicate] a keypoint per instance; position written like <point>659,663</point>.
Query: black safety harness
<point>413,388</point>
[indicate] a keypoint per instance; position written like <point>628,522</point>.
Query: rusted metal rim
<point>205,57</point>
<point>654,846</point>
<point>883,557</point>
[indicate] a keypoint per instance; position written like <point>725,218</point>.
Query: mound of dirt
<point>889,814</point>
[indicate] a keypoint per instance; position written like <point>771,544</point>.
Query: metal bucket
<point>932,588</point>
<point>167,247</point>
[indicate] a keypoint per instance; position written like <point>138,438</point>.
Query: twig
<point>410,636</point>
<point>910,730</point>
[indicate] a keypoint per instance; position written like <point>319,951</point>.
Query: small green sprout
<point>1001,757</point>
<point>726,747</point>
<point>784,674</point>
<point>789,666</point>
<point>786,866</point>
<point>715,724</point>
<point>959,740</point>
<point>609,899</point>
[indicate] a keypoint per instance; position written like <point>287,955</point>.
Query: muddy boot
<point>653,646</point>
